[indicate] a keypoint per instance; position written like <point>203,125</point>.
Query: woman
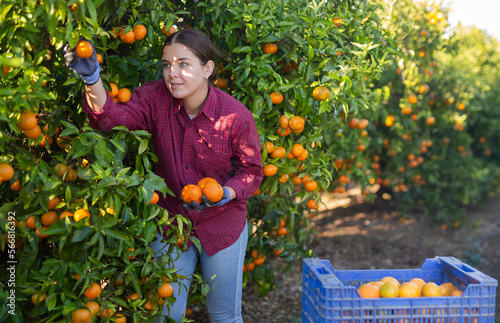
<point>198,131</point>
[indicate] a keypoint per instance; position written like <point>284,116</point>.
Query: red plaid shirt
<point>220,142</point>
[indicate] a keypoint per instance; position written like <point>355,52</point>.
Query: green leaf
<point>81,234</point>
<point>116,235</point>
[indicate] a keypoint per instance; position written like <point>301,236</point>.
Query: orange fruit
<point>312,204</point>
<point>53,202</point>
<point>35,299</point>
<point>49,217</point>
<point>296,122</point>
<point>284,121</point>
<point>46,141</point>
<point>270,48</point>
<point>269,146</point>
<point>221,83</point>
<point>27,120</point>
<point>119,318</point>
<point>33,133</point>
<point>423,88</point>
<point>154,199</point>
<point>60,170</point>
<point>389,121</point>
<point>204,181</point>
<point>460,106</point>
<point>406,110</point>
<point>168,32</point>
<point>276,98</point>
<point>213,192</point>
<point>311,186</point>
<point>191,193</point>
<point>30,222</point>
<point>409,289</point>
<point>303,156</point>
<point>419,281</point>
<point>283,178</point>
<point>260,260</point>
<point>297,150</point>
<point>107,313</point>
<point>282,133</point>
<point>114,90</point>
<point>166,290</point>
<point>456,293</point>
<point>362,124</point>
<point>431,290</point>
<point>321,93</point>
<point>65,214</point>
<point>128,38</point>
<point>389,290</point>
<point>390,279</point>
<point>93,306</point>
<point>250,266</point>
<point>412,98</point>
<point>81,214</point>
<point>16,186</point>
<point>84,49</point>
<point>6,172</point>
<point>81,315</point>
<point>282,231</point>
<point>279,152</point>
<point>369,291</point>
<point>93,291</point>
<point>344,179</point>
<point>444,291</point>
<point>270,170</point>
<point>353,123</point>
<point>139,31</point>
<point>277,252</point>
<point>430,120</point>
<point>306,178</point>
<point>99,58</point>
<point>124,95</point>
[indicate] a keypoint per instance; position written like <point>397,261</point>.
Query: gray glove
<point>88,68</point>
<point>226,197</point>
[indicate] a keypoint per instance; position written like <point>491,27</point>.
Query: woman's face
<point>185,76</point>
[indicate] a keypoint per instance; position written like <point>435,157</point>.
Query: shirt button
<point>190,125</point>
<point>187,167</point>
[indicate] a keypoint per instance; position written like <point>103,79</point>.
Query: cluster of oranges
<point>207,187</point>
<point>390,287</point>
<point>138,32</point>
<point>119,95</point>
<point>28,124</point>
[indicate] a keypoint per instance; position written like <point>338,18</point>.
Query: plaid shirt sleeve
<point>136,114</point>
<point>248,174</point>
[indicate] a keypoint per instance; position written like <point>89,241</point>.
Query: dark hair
<point>198,43</point>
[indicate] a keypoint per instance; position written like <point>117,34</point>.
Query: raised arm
<point>89,70</point>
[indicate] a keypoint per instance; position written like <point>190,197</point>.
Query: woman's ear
<point>209,68</point>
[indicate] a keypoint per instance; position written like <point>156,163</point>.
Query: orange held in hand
<point>191,193</point>
<point>84,49</point>
<point>213,192</point>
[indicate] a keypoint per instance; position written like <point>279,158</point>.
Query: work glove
<point>88,68</point>
<point>205,203</point>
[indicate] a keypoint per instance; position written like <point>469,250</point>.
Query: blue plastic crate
<point>330,295</point>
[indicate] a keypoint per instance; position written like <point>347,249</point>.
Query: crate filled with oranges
<point>444,289</point>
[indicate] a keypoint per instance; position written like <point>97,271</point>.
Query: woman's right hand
<point>87,68</point>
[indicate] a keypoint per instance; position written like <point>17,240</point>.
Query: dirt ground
<point>353,234</point>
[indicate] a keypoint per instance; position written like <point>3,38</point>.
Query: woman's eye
<point>166,65</point>
<point>183,64</point>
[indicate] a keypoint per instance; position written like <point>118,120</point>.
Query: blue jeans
<point>224,298</point>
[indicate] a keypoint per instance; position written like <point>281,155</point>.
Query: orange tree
<point>297,65</point>
<point>436,125</point>
<point>77,201</point>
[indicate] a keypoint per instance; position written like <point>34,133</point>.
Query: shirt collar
<point>208,108</point>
